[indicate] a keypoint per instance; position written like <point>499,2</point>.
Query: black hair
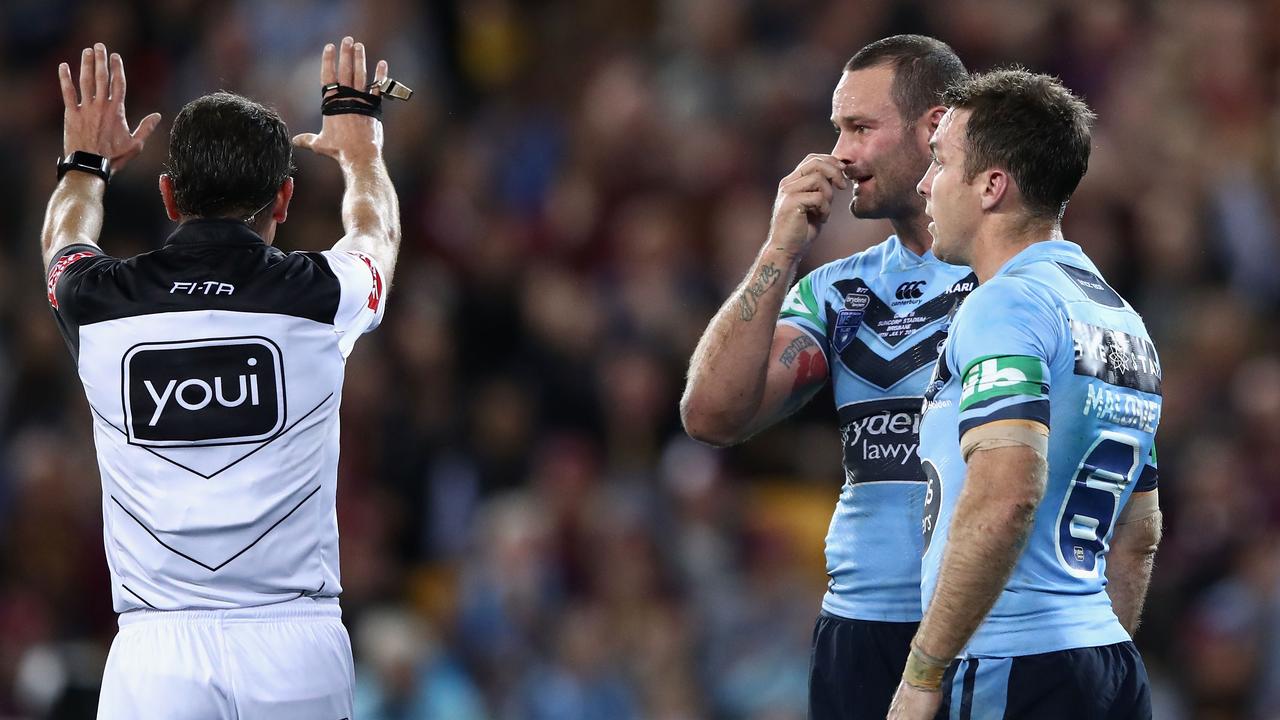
<point>228,155</point>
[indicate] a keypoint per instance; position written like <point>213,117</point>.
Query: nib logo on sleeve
<point>1004,376</point>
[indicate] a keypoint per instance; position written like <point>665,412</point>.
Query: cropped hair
<point>228,156</point>
<point>923,68</point>
<point>1030,125</point>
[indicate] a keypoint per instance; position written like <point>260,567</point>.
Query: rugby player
<point>213,368</point>
<point>872,324</point>
<point>1037,439</point>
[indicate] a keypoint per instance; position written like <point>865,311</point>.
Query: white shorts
<point>282,662</point>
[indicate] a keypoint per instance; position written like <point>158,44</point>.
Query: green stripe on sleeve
<point>999,376</point>
<point>802,303</point>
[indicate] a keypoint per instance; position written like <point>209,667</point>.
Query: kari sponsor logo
<point>218,391</point>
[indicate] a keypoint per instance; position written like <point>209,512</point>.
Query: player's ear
<point>166,196</point>
<point>927,124</point>
<point>280,211</point>
<point>933,118</point>
<point>994,185</point>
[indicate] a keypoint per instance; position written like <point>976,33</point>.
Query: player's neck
<point>1000,241</point>
<point>914,233</point>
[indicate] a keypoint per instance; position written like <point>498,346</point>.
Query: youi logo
<point>218,391</point>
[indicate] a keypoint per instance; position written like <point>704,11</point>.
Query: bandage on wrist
<point>923,671</point>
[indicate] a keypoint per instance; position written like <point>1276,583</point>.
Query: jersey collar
<point>1038,250</point>
<point>214,231</point>
<point>901,257</point>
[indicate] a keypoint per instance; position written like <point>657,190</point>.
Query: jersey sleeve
<point>804,308</point>
<point>69,271</point>
<point>1149,479</point>
<point>361,305</point>
<point>1004,340</point>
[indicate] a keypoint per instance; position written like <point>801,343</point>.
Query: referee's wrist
<point>83,182</point>
<point>924,671</point>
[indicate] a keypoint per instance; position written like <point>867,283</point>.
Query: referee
<point>213,368</point>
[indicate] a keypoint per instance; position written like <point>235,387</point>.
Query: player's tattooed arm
<point>1132,556</point>
<point>793,350</point>
<point>749,300</point>
<point>738,383</point>
<point>989,530</point>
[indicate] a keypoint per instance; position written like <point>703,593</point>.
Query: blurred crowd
<point>526,531</point>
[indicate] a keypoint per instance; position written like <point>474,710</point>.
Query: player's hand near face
<point>749,371</point>
<point>348,137</point>
<point>95,121</point>
<point>803,203</point>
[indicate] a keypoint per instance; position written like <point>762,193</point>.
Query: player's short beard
<point>896,197</point>
<point>893,204</point>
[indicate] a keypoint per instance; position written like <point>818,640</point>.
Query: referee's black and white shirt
<point>213,367</point>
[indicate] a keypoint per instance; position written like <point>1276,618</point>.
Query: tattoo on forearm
<point>792,351</point>
<point>750,299</point>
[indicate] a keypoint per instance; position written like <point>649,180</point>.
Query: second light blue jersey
<point>879,317</point>
<point>1046,339</point>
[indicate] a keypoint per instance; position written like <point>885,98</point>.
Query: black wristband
<point>85,162</point>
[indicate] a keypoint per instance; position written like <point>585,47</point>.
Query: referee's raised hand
<point>351,136</point>
<point>95,121</point>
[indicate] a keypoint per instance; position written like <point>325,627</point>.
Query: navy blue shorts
<point>1094,683</point>
<point>856,666</point>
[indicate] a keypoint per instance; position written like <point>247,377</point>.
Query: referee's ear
<point>166,196</point>
<point>280,211</point>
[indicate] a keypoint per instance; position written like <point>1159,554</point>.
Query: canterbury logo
<point>910,290</point>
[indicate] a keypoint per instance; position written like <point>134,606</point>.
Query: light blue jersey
<point>880,317</point>
<point>1047,339</point>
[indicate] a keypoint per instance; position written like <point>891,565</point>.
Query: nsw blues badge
<point>848,320</point>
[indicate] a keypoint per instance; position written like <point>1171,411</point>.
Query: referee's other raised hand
<point>348,137</point>
<point>95,121</point>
